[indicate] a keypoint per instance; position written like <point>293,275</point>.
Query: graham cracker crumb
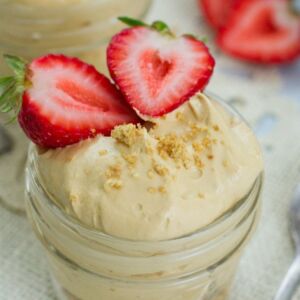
<point>206,142</point>
<point>130,158</point>
<point>210,156</point>
<point>103,152</point>
<point>180,116</point>
<point>159,169</point>
<point>162,190</point>
<point>127,134</point>
<point>216,127</point>
<point>172,146</point>
<point>197,147</point>
<point>113,171</point>
<point>148,148</point>
<point>198,162</point>
<point>194,131</point>
<point>113,184</point>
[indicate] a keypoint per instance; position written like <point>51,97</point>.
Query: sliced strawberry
<point>216,12</point>
<point>67,101</point>
<point>156,71</point>
<point>261,31</point>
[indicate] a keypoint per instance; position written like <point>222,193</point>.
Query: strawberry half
<point>156,71</point>
<point>261,31</point>
<point>63,100</point>
<point>216,12</point>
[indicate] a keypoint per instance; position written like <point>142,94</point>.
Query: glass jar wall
<point>89,265</point>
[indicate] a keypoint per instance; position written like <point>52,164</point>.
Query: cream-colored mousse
<point>166,179</point>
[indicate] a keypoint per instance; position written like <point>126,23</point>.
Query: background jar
<point>30,28</point>
<point>89,265</point>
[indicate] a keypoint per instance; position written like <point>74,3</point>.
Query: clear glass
<point>30,28</point>
<point>89,265</point>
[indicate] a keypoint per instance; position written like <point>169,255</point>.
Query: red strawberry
<point>155,71</point>
<point>63,101</point>
<point>216,11</point>
<point>261,31</point>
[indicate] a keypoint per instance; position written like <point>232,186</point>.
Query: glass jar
<point>89,265</point>
<point>30,28</point>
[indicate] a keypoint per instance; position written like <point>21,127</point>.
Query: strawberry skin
<point>69,101</point>
<point>262,31</point>
<point>216,12</point>
<point>157,72</point>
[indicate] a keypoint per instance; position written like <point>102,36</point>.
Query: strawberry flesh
<point>261,31</point>
<point>156,73</point>
<point>69,101</point>
<point>216,12</point>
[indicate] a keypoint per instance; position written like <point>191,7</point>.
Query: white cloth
<point>268,97</point>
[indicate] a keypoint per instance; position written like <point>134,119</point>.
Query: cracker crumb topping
<point>197,147</point>
<point>113,171</point>
<point>127,134</point>
<point>131,159</point>
<point>159,169</point>
<point>172,146</point>
<point>180,116</point>
<point>162,190</point>
<point>113,184</point>
<point>216,127</point>
<point>103,152</point>
<point>198,162</point>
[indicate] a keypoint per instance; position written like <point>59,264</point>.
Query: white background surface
<point>268,97</point>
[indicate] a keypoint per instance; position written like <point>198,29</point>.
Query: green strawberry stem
<point>159,26</point>
<point>13,87</point>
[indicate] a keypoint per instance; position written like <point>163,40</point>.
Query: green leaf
<point>5,82</point>
<point>132,22</point>
<point>17,64</point>
<point>6,97</point>
<point>160,26</point>
<point>203,39</point>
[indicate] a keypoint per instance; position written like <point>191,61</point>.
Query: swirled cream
<point>166,179</point>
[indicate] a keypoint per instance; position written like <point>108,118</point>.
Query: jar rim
<point>95,234</point>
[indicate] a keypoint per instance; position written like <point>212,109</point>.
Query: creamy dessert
<point>78,28</point>
<point>163,180</point>
<point>140,187</point>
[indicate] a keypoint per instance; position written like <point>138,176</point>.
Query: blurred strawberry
<point>216,12</point>
<point>263,31</point>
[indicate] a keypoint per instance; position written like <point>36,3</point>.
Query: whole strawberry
<point>61,100</point>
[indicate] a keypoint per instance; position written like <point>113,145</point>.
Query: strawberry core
<point>265,23</point>
<point>154,69</point>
